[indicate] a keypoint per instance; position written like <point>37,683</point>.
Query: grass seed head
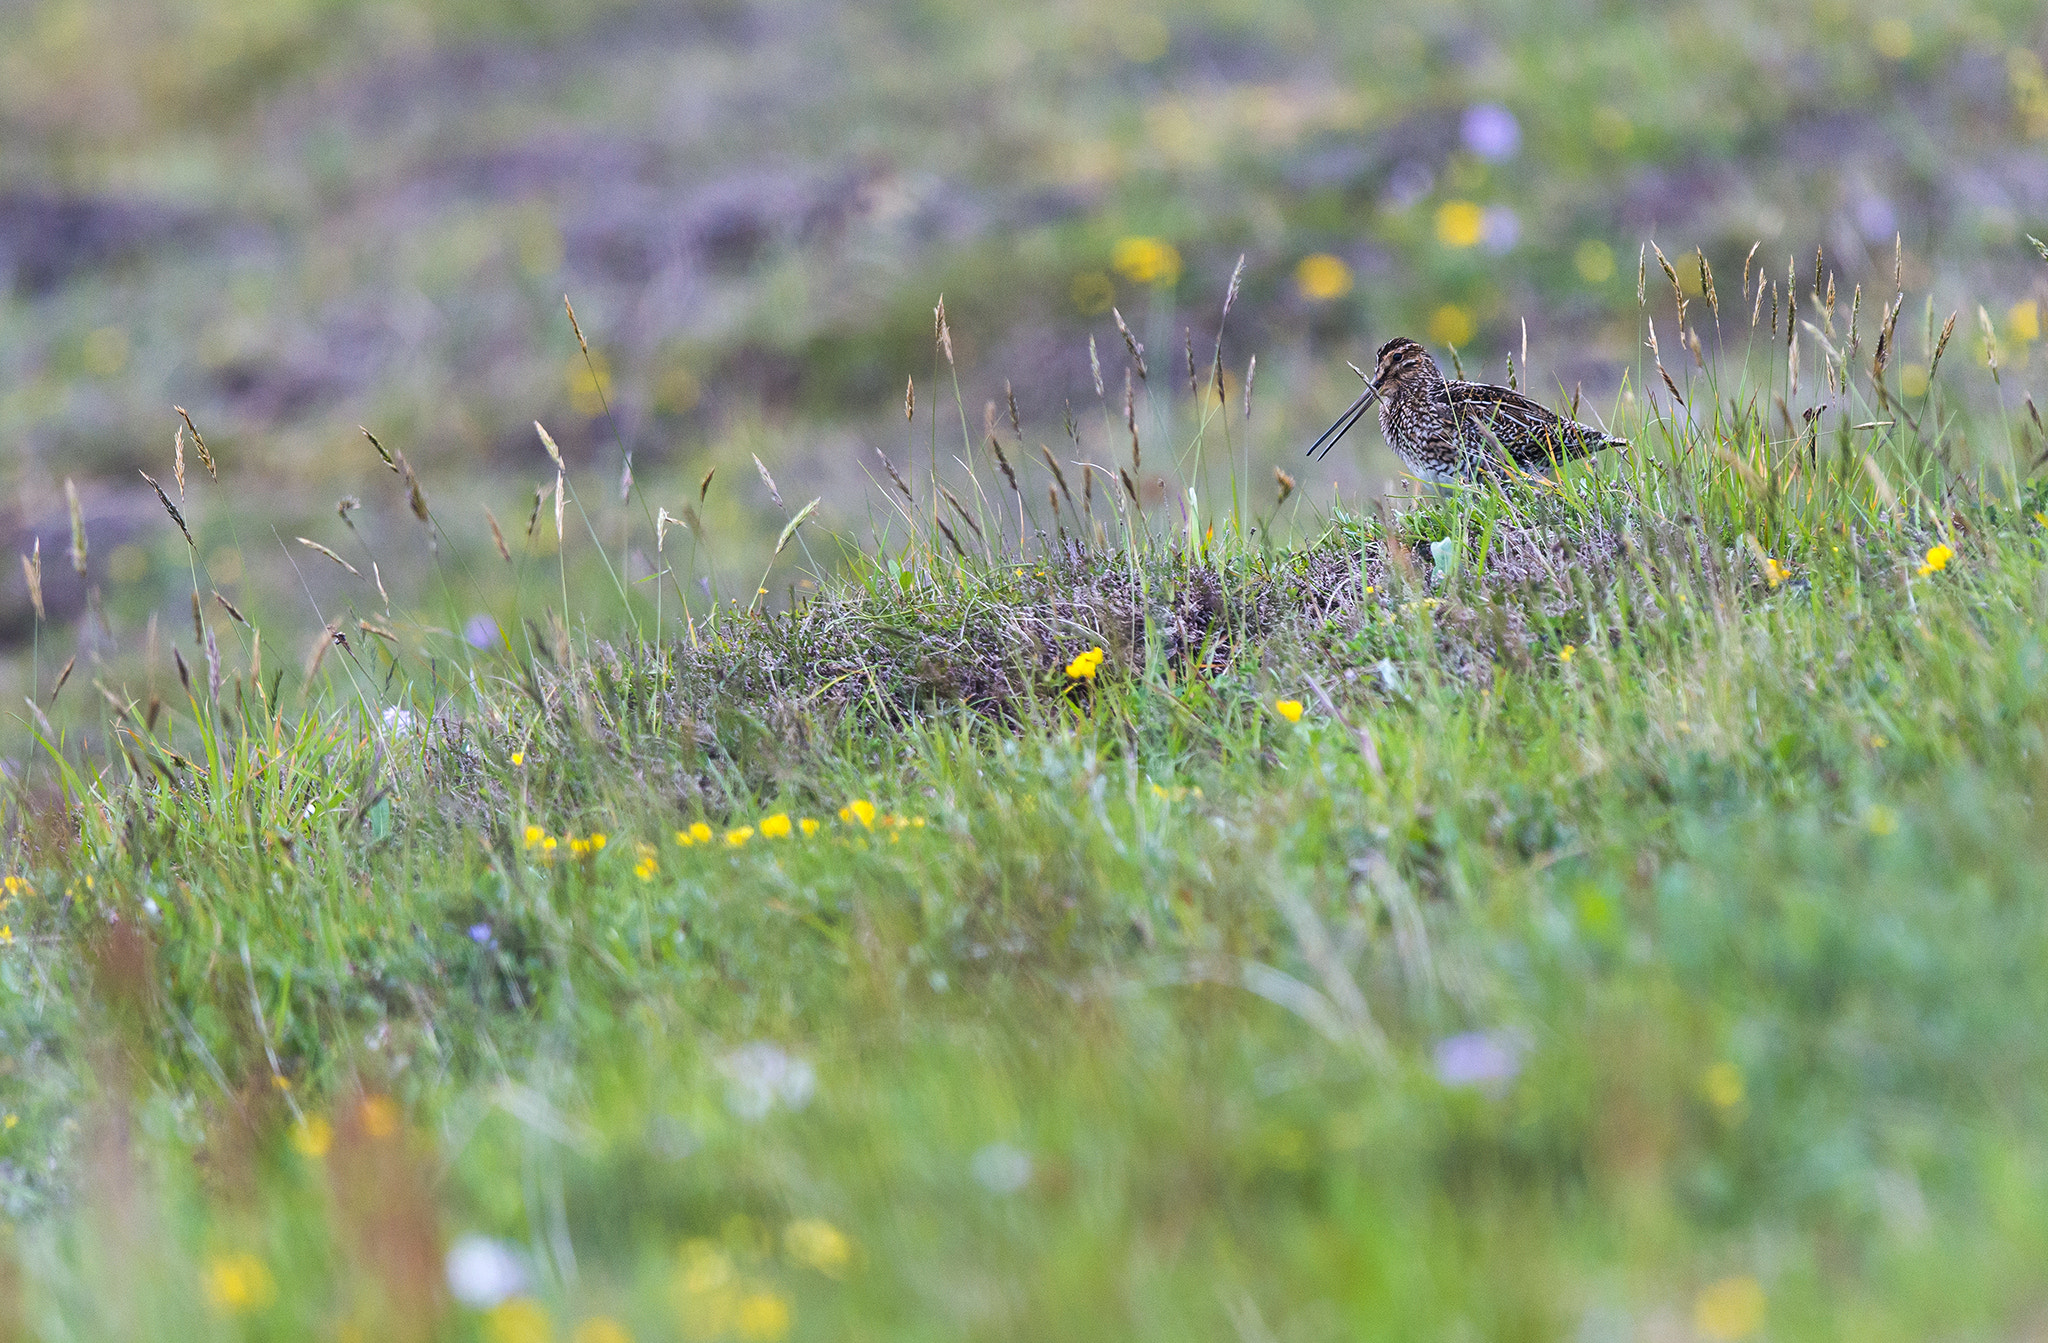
<point>32,570</point>
<point>198,444</point>
<point>77,526</point>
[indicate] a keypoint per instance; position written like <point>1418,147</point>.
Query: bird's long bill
<point>1321,447</point>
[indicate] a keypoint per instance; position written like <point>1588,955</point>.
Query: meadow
<point>1604,906</point>
<point>883,815</point>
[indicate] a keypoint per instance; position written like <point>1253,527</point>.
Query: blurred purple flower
<point>1500,229</point>
<point>1488,1059</point>
<point>1876,220</point>
<point>480,632</point>
<point>1491,132</point>
<point>480,933</point>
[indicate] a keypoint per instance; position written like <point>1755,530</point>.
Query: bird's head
<point>1400,363</point>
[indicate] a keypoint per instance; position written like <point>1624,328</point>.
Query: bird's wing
<point>1506,414</point>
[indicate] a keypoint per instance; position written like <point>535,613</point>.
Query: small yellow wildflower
<point>7,1124</point>
<point>1937,560</point>
<point>818,1244</point>
<point>1774,572</point>
<point>380,1116</point>
<point>597,842</point>
<point>6,934</point>
<point>1322,277</point>
<point>776,826</point>
<point>698,833</point>
<point>519,1319</point>
<point>238,1282</point>
<point>1730,1309</point>
<point>762,1317</point>
<point>1452,325</point>
<point>1881,820</point>
<point>860,811</point>
<point>737,837</point>
<point>17,886</point>
<point>1290,709</point>
<point>649,862</point>
<point>548,846</point>
<point>579,848</point>
<point>1460,224</point>
<point>535,836</point>
<point>601,1329</point>
<point>519,757</point>
<point>1144,260</point>
<point>809,825</point>
<point>1084,667</point>
<point>312,1136</point>
<point>1721,1083</point>
<point>1566,653</point>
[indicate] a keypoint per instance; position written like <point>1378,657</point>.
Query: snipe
<point>1460,431</point>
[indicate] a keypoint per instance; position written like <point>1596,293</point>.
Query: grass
<point>1593,908</point>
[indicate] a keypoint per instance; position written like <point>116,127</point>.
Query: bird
<point>1459,432</point>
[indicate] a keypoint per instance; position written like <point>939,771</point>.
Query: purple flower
<point>480,632</point>
<point>480,933</point>
<point>1491,131</point>
<point>1488,1059</point>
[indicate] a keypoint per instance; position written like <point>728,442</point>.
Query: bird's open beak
<point>1321,447</point>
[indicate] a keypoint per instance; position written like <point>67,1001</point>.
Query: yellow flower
<point>698,833</point>
<point>1774,572</point>
<point>1322,277</point>
<point>1566,653</point>
<point>1451,325</point>
<point>6,934</point>
<point>859,810</point>
<point>601,1329</point>
<point>1290,709</point>
<point>519,1319</point>
<point>1144,260</point>
<point>535,836</point>
<point>776,826</point>
<point>17,886</point>
<point>2023,322</point>
<point>736,837</point>
<point>809,825</point>
<point>1730,1309</point>
<point>649,861</point>
<point>597,841</point>
<point>1460,224</point>
<point>762,1317</point>
<point>1084,667</point>
<point>1937,560</point>
<point>1722,1084</point>
<point>238,1282</point>
<point>380,1116</point>
<point>818,1244</point>
<point>7,1124</point>
<point>519,757</point>
<point>312,1136</point>
<point>1882,820</point>
<point>578,848</point>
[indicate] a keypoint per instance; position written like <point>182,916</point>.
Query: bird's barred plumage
<point>1460,431</point>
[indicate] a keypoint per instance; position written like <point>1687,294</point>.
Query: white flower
<point>483,1272</point>
<point>760,1075</point>
<point>1001,1168</point>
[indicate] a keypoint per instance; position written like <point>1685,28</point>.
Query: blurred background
<point>297,217</point>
